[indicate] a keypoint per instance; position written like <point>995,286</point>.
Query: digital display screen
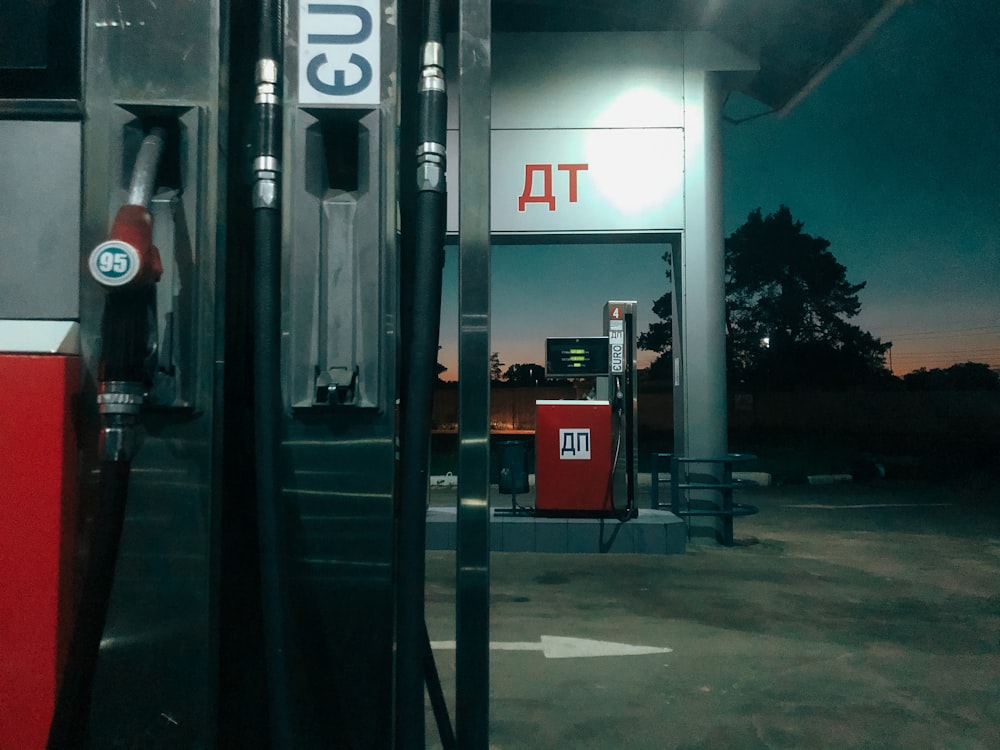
<point>577,357</point>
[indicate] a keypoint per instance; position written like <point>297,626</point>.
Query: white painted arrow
<point>561,647</point>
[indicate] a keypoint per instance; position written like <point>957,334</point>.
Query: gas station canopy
<point>798,42</point>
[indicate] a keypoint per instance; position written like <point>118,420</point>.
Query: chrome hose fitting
<point>119,403</point>
<point>266,165</point>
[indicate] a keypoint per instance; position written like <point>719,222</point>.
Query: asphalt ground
<point>860,615</point>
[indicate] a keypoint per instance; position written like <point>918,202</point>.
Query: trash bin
<point>513,467</point>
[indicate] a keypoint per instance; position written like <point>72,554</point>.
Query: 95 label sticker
<point>114,263</point>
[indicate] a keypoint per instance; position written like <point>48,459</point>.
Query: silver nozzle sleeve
<point>119,442</point>
<point>267,82</point>
<point>432,53</point>
<point>120,397</point>
<point>119,402</point>
<point>265,190</point>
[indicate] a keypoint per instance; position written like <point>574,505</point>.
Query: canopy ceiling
<point>797,42</point>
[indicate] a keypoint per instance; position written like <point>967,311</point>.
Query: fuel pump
<point>586,449</point>
<point>128,265</point>
<point>333,526</point>
<point>619,327</point>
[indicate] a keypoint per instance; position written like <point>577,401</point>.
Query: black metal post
<point>472,556</point>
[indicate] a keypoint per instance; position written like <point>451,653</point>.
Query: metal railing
<point>683,480</point>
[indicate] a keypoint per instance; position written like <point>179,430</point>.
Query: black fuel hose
<point>619,405</point>
<point>412,646</point>
<point>438,705</point>
<point>68,730</point>
<point>124,334</point>
<point>266,373</point>
<point>274,586</point>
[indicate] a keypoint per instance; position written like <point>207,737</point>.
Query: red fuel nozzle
<point>128,257</point>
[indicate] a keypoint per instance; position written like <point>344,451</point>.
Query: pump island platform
<point>653,532</point>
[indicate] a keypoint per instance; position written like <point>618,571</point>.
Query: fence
<point>967,413</point>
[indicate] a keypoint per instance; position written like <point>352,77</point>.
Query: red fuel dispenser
<point>38,485</point>
<point>573,457</point>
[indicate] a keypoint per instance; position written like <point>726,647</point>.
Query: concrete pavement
<point>846,616</point>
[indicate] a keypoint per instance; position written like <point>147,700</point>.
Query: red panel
<point>573,456</point>
<point>38,496</point>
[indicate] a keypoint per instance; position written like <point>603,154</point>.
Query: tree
<point>439,368</point>
<point>660,337</point>
<point>524,375</point>
<point>969,376</point>
<point>788,302</point>
<point>496,367</point>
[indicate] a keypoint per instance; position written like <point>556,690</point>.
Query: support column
<point>700,419</point>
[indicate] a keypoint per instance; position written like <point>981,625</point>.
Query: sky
<point>895,159</point>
